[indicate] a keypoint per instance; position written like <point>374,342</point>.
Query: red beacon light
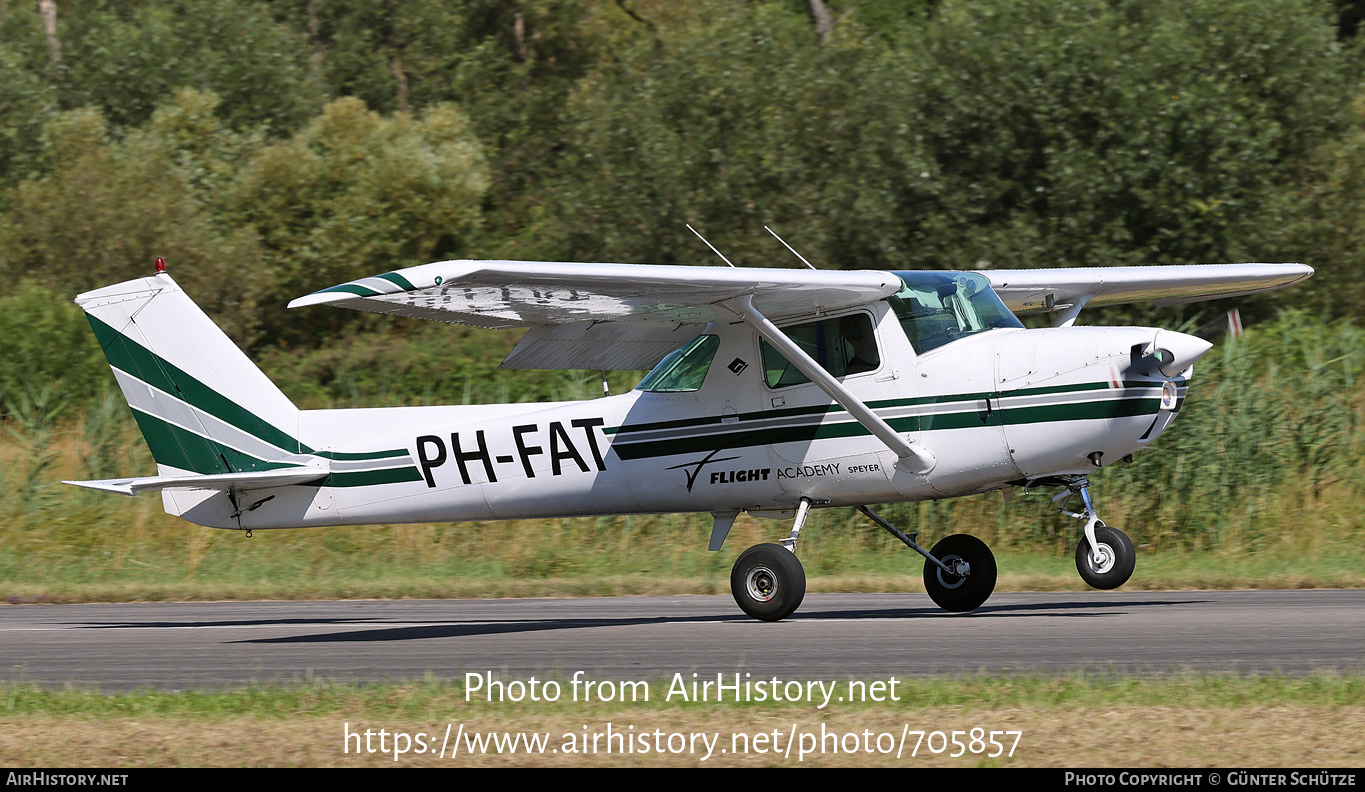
<point>160,265</point>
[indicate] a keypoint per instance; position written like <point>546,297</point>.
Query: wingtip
<point>299,302</point>
<point>1297,272</point>
<point>319,298</point>
<point>116,486</point>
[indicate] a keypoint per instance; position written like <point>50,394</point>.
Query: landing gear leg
<point>1105,556</point>
<point>768,582</point>
<point>802,511</point>
<point>959,573</point>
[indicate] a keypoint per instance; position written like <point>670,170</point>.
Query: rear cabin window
<point>683,369</point>
<point>842,346</point>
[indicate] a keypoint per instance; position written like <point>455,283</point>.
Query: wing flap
<point>606,346</point>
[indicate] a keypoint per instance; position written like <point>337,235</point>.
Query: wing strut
<point>914,457</point>
<point>1068,315</point>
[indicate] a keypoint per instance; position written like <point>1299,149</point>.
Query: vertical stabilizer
<point>203,406</point>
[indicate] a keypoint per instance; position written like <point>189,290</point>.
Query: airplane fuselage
<point>1001,406</point>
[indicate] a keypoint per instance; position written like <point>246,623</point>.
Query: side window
<point>684,369</point>
<point>842,346</point>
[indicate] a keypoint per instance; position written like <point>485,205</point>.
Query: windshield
<point>937,308</point>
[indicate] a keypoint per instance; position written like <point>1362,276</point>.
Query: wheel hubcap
<point>761,583</point>
<point>947,580</point>
<point>1106,558</point>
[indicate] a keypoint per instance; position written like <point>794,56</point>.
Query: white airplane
<point>772,391</point>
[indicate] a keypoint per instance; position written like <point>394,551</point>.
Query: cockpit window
<point>683,369</point>
<point>937,308</point>
<point>843,347</point>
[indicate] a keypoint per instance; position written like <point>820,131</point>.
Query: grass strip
<point>1078,719</point>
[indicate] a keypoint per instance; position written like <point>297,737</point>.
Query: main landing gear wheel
<point>960,593</point>
<point>768,582</point>
<point>1116,562</point>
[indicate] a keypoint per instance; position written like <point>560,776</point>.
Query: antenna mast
<point>789,247</point>
<point>708,244</point>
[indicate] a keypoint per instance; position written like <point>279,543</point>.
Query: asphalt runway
<point>215,644</point>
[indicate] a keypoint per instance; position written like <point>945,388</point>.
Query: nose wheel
<point>1109,562</point>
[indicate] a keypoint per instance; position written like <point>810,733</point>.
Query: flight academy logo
<point>693,471</point>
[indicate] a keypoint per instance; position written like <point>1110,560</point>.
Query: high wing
<point>1034,290</point>
<point>628,316</point>
<point>599,316</point>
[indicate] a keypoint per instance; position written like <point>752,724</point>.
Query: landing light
<point>1168,396</point>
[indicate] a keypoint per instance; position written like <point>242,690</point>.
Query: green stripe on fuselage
<point>949,398</point>
<point>1112,408</point>
<point>346,456</point>
<point>366,478</point>
<point>179,447</point>
<point>1084,411</point>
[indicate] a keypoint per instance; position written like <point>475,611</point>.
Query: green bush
<point>48,344</point>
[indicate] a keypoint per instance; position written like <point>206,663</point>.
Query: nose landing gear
<point>1105,557</point>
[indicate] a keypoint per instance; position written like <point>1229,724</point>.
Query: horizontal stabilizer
<point>218,481</point>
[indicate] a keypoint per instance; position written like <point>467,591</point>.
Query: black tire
<point>1121,558</point>
<point>960,594</point>
<point>768,582</point>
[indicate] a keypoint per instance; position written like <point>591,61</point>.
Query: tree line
<point>267,150</point>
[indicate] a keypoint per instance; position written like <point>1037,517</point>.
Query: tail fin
<point>203,406</point>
